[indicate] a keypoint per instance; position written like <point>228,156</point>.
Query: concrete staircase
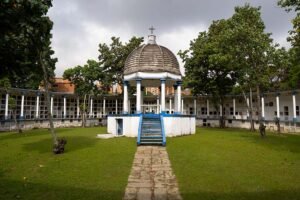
<point>151,130</point>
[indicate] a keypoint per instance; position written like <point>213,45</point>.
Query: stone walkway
<point>151,176</point>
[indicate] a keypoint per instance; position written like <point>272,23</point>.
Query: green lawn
<point>212,164</point>
<point>236,164</point>
<point>91,168</point>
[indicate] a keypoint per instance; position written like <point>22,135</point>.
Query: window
<point>231,110</point>
<point>271,104</point>
<point>203,110</point>
<point>297,111</point>
<point>286,110</point>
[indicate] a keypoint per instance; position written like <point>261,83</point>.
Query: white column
<point>51,105</point>
<point>78,107</point>
<point>142,98</point>
<point>138,96</point>
<point>182,106</point>
<point>207,107</point>
<point>221,111</point>
<point>125,99</point>
<point>277,106</point>
<point>294,106</point>
<point>91,108</point>
<point>233,102</point>
<point>170,106</point>
<point>65,107</point>
<point>157,105</point>
<point>175,99</point>
<point>22,106</point>
<point>129,104</point>
<point>116,106</point>
<point>195,106</point>
<point>262,107</point>
<point>37,106</point>
<point>104,106</point>
<point>248,104</point>
<point>163,95</point>
<point>179,96</point>
<point>6,105</point>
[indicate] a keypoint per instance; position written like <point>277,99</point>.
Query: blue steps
<point>151,132</point>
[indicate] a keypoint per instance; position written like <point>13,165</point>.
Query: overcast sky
<point>80,25</point>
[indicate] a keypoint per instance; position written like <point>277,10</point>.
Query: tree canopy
<point>112,58</point>
<point>235,52</point>
<point>25,31</point>
<point>85,78</point>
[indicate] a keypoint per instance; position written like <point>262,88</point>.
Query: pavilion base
<point>128,125</point>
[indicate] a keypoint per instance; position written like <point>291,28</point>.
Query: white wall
<point>174,126</point>
<point>177,126</point>
<point>31,124</point>
<point>130,125</point>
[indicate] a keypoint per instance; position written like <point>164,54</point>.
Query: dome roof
<point>151,58</point>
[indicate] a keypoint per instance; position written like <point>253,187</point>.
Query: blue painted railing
<point>140,130</point>
<point>163,130</point>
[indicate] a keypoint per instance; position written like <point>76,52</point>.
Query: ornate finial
<point>151,29</point>
<point>151,37</point>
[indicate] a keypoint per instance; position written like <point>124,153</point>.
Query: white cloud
<point>79,26</point>
<point>180,39</point>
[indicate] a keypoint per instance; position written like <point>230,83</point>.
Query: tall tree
<point>249,45</point>
<point>45,61</point>
<point>207,66</point>
<point>25,46</point>
<point>22,23</point>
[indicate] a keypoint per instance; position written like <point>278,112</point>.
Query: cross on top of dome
<point>151,29</point>
<point>151,37</point>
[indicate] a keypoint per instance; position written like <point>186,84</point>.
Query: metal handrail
<point>140,130</point>
<point>163,130</point>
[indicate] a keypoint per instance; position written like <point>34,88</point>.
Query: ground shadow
<point>279,142</point>
<point>74,143</point>
<point>259,195</point>
<point>10,189</point>
<point>31,133</point>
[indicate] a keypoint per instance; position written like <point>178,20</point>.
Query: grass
<point>236,164</point>
<point>212,164</point>
<point>90,168</point>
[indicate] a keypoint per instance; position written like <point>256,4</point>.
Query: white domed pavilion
<point>151,65</point>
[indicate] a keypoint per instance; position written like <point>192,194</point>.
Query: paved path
<point>151,176</point>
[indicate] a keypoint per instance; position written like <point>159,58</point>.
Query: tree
<point>46,63</point>
<point>207,66</point>
<point>22,23</point>
<point>112,58</point>
<point>86,80</point>
<point>249,46</point>
<point>25,51</point>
